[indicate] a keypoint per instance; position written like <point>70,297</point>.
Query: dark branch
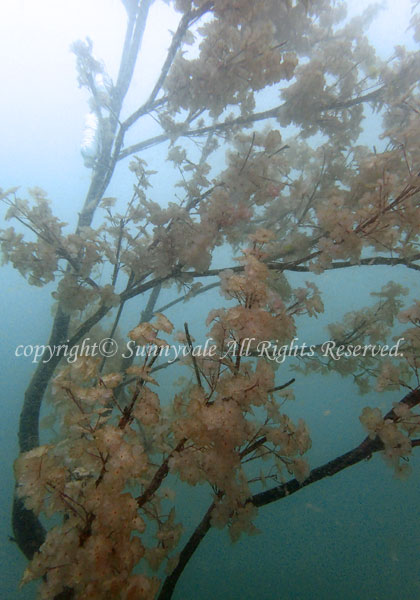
<point>272,113</point>
<point>362,452</point>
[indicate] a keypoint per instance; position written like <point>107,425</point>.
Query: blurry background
<point>355,536</point>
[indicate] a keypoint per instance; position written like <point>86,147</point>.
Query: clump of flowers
<point>103,474</point>
<point>394,431</point>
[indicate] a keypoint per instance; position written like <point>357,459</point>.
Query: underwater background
<point>356,535</point>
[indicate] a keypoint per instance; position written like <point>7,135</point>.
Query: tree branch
<point>159,476</point>
<point>187,20</point>
<point>272,113</point>
<point>361,452</point>
<point>104,169</point>
<point>294,266</point>
<point>27,529</point>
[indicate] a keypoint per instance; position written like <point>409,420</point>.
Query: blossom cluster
<point>394,433</point>
<point>100,474</point>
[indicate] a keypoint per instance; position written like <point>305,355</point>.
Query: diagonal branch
<point>187,20</point>
<point>361,452</point>
<point>296,267</point>
<point>272,113</point>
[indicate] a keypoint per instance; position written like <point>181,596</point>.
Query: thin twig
<point>191,347</point>
<point>248,153</point>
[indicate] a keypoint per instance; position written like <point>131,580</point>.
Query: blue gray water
<point>354,536</point>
